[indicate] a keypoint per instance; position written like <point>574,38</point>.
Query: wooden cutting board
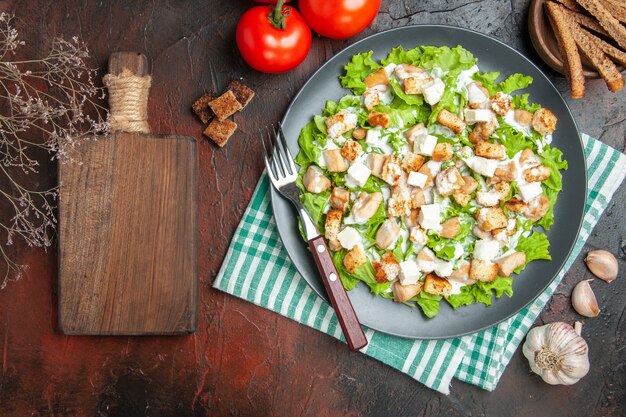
<point>128,231</point>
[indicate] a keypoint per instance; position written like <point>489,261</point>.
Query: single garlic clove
<point>602,264</point>
<point>584,300</point>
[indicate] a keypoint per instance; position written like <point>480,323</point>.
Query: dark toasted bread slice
<point>569,51</point>
<point>202,109</point>
<point>606,20</point>
<point>225,105</point>
<point>615,54</point>
<point>618,12</point>
<point>593,52</point>
<point>219,131</point>
<point>242,93</point>
<point>571,5</point>
<point>585,21</point>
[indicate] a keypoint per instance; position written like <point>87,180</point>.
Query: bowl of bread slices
<point>581,39</point>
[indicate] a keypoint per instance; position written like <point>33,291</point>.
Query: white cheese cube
<point>350,120</point>
<point>349,237</point>
<point>486,250</point>
<point>430,216</point>
<point>482,166</point>
<point>358,173</point>
<point>416,179</point>
<point>433,91</point>
<point>443,268</point>
<point>479,115</point>
<point>373,137</point>
<point>409,273</point>
<point>335,130</point>
<point>424,144</point>
<point>530,190</point>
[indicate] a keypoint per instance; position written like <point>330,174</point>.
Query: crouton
<point>523,117</point>
<point>242,93</point>
<point>418,198</point>
<point>480,234</point>
<point>375,162</point>
<point>544,122</point>
<point>387,269</point>
<point>451,121</point>
<point>528,158</point>
<point>392,170</point>
<point>351,150</point>
<point>202,109</point>
<point>515,205</point>
<point>220,131</point>
<point>483,270</point>
<point>490,150</point>
<point>225,105</point>
<point>334,245</point>
<point>340,123</point>
<point>537,174</point>
<point>442,152</point>
<point>403,71</point>
<point>461,198</point>
<point>354,259</point>
<point>378,77</point>
<point>537,207</point>
<point>359,133</point>
<point>339,198</point>
<point>415,85</point>
<point>437,286</point>
<point>332,224</point>
<point>448,181</point>
<point>418,235</point>
<point>334,160</point>
<point>509,263</point>
<point>501,103</point>
<point>412,162</point>
<point>402,293</point>
<point>379,119</point>
<point>502,234</point>
<point>450,228</point>
<point>491,218</point>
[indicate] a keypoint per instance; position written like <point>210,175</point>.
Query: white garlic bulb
<point>557,353</point>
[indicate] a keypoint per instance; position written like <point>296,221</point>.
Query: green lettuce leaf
<point>521,102</point>
<point>482,292</point>
<point>446,58</point>
<point>416,99</point>
<point>372,225</point>
<point>429,303</point>
<point>535,246</point>
<point>315,205</point>
<point>356,70</point>
<point>309,150</point>
<point>399,55</point>
<point>488,80</point>
<point>553,158</point>
<point>515,82</point>
<point>513,139</point>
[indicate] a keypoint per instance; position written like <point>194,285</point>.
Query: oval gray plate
<point>397,319</point>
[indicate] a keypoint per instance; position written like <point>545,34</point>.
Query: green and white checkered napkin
<point>258,269</point>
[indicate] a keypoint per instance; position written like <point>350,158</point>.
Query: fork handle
<point>348,320</point>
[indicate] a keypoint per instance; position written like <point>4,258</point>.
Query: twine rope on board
<point>128,99</point>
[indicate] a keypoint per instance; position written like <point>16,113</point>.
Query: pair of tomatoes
<point>276,38</point>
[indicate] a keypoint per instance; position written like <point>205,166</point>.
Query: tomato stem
<point>277,19</point>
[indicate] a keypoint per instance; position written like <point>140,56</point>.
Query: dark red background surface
<point>244,360</point>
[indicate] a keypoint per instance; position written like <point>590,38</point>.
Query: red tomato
<point>265,46</point>
<point>270,1</point>
<point>339,19</point>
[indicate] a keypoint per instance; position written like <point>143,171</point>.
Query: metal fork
<point>283,174</point>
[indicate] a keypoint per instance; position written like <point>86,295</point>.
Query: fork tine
<point>281,134</point>
<point>277,156</point>
<point>268,164</point>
